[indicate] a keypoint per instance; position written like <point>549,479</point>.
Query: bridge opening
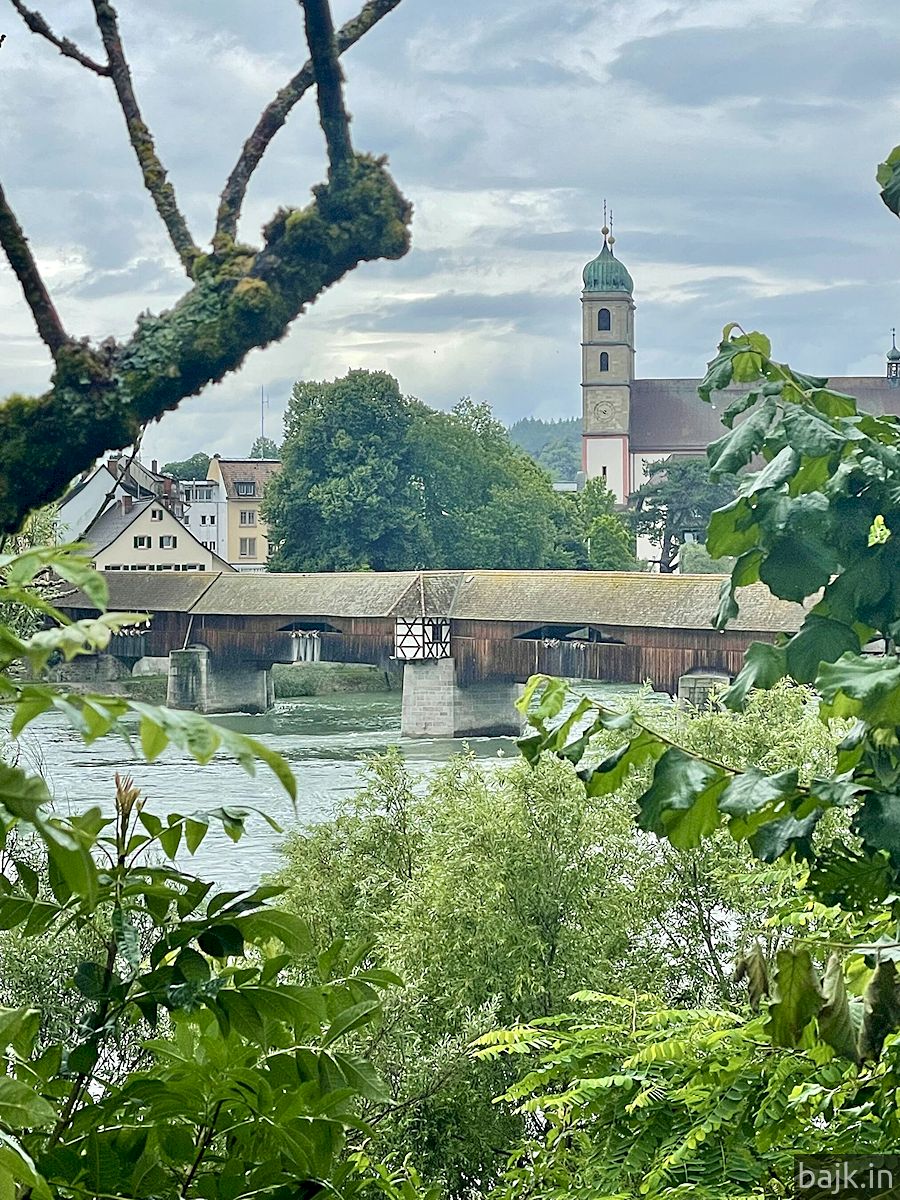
<point>566,633</point>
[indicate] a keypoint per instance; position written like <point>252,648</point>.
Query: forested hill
<point>555,444</point>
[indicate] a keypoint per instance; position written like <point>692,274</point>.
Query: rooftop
<point>541,597</point>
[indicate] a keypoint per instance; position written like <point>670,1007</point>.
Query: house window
<point>212,519</point>
<point>168,541</point>
<point>143,541</point>
<point>155,514</point>
<point>203,493</point>
<point>247,488</point>
<point>186,519</point>
<point>604,361</point>
<point>248,547</point>
<point>110,568</point>
<point>248,516</point>
<point>203,520</point>
<point>603,322</point>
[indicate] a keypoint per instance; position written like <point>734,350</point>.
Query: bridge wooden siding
<point>650,627</point>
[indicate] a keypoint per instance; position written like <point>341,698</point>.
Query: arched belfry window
<point>604,361</point>
<point>603,322</point>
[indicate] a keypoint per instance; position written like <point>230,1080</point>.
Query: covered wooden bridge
<point>466,639</point>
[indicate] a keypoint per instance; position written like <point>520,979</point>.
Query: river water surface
<point>325,739</point>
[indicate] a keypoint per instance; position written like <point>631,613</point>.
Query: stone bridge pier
<point>435,704</point>
<point>206,684</point>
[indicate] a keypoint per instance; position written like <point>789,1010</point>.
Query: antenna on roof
<point>263,405</point>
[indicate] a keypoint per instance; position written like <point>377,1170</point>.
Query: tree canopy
<point>264,447</point>
<point>194,467</point>
<point>677,499</point>
<point>373,479</point>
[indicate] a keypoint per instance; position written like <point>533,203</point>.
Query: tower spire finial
<point>894,338</point>
<point>605,229</point>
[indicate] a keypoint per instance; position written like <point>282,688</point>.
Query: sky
<point>736,144</point>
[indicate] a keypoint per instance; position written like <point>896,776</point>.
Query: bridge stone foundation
<point>208,686</point>
<point>435,705</point>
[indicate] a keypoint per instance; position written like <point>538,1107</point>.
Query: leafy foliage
<point>194,467</point>
<point>264,447</point>
<point>374,480</point>
<point>189,1054</point>
<point>554,445</point>
<point>678,499</point>
<point>496,891</point>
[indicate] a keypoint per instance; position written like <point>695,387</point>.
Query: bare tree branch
<point>65,46</point>
<point>333,115</point>
<point>155,181</point>
<point>15,246</point>
<point>276,114</point>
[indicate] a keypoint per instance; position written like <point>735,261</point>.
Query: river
<point>325,739</point>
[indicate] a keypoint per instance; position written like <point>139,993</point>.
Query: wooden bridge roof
<point>537,597</point>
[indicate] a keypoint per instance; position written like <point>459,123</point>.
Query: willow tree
<point>238,297</point>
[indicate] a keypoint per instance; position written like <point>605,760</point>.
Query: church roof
<point>668,415</point>
<point>605,273</point>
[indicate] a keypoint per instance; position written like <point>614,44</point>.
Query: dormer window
<point>604,361</point>
<point>246,488</point>
<point>603,320</point>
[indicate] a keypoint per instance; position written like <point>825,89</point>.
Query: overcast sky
<point>737,145</point>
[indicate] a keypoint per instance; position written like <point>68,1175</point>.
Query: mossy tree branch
<point>161,190</point>
<point>65,46</point>
<point>277,112</point>
<point>17,250</point>
<point>333,115</point>
<point>242,299</point>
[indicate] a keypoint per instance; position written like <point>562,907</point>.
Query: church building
<point>629,422</point>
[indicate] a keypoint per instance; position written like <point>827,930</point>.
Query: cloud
<point>737,144</point>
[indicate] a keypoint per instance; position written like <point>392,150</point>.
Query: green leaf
<point>170,838</point>
<point>858,686</point>
<point>195,830</point>
<point>221,941</point>
<point>681,803</point>
<point>773,475</point>
<point>91,980</point>
<point>888,177</point>
<point>763,666</point>
<point>877,823</point>
<point>840,1021</point>
<point>855,881</point>
<point>362,1077</point>
<point>755,790</point>
<point>819,640</point>
<point>127,938</point>
<point>349,1019</point>
<point>795,566</point>
<point>737,447</point>
<point>154,739</point>
<point>30,704</point>
<point>754,968</point>
<point>799,997</point>
<point>22,1108</point>
<point>20,794</point>
<point>271,924</point>
<point>775,838</point>
<point>612,772</point>
<point>732,529</point>
<point>881,1010</point>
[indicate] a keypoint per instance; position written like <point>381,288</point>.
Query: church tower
<point>607,368</point>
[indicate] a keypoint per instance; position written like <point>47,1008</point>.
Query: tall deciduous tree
<point>374,479</point>
<point>264,447</point>
<point>346,498</point>
<point>194,467</point>
<point>238,297</point>
<point>678,499</point>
